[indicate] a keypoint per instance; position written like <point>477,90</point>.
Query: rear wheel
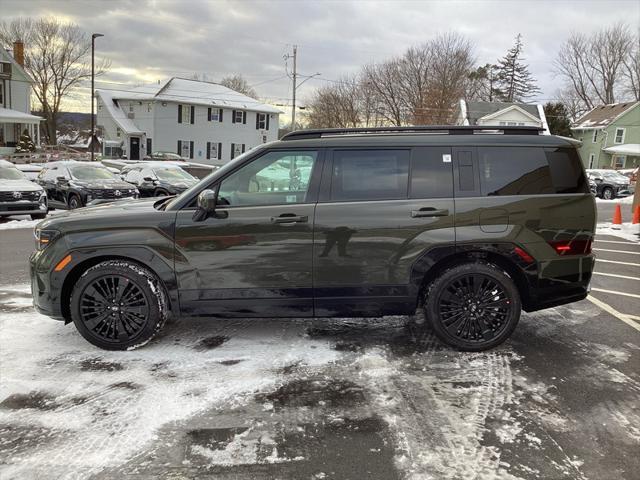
<point>607,193</point>
<point>118,305</point>
<point>473,306</point>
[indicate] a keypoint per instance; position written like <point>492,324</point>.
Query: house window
<point>592,158</point>
<point>214,151</point>
<point>1,93</point>
<point>502,124</point>
<point>261,121</point>
<point>149,145</point>
<point>618,161</point>
<point>185,148</point>
<point>131,107</point>
<point>237,149</point>
<point>619,135</point>
<point>595,136</point>
<point>238,116</point>
<point>186,114</point>
<point>215,114</point>
<point>118,133</point>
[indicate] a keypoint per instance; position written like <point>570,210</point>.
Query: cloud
<point>153,39</point>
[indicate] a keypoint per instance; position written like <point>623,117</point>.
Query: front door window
<point>273,179</point>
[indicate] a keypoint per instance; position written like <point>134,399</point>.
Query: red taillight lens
<point>571,247</point>
<point>523,255</point>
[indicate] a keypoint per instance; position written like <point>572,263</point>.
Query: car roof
<point>69,163</point>
<point>152,165</point>
<point>7,164</point>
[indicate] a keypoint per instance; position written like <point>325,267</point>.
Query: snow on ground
<point>626,231</point>
<point>628,200</point>
<point>22,221</point>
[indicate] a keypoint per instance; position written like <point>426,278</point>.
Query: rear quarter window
<point>530,171</point>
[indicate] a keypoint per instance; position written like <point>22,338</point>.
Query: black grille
<point>9,196</point>
<point>110,194</point>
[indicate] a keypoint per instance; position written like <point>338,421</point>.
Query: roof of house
<point>477,110</point>
<point>117,114</point>
<point>194,92</point>
<point>15,116</point>
<point>7,54</point>
<point>603,115</point>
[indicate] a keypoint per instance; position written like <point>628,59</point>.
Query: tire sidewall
<point>144,280</point>
<point>437,287</point>
<point>78,202</point>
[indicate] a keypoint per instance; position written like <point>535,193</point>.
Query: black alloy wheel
<point>473,306</point>
<point>74,202</point>
<point>118,305</point>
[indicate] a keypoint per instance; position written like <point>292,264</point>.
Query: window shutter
<point>244,117</point>
<point>233,148</point>
<point>193,115</point>
<point>243,148</point>
<point>180,147</point>
<point>179,113</point>
<point>233,116</point>
<point>219,151</point>
<point>209,114</point>
<point>220,116</point>
<point>257,121</point>
<point>191,148</point>
<point>209,149</point>
<point>267,115</point>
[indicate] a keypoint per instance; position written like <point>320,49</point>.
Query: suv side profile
<point>470,224</point>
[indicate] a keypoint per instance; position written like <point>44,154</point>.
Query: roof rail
<point>428,129</point>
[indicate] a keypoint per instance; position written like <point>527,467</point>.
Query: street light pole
<point>93,74</point>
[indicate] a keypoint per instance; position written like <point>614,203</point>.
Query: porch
<point>624,156</point>
<point>12,124</point>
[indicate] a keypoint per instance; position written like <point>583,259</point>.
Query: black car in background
<point>70,184</point>
<point>609,184</point>
<point>157,179</point>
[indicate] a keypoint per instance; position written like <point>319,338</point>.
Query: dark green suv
<point>468,223</point>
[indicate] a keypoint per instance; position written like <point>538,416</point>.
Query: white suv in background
<point>20,196</point>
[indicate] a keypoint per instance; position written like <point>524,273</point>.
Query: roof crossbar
<point>428,129</point>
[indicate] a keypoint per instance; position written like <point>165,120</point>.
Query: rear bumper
<point>559,282</point>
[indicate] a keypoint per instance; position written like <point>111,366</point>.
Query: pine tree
<point>25,144</point>
<point>558,119</point>
<point>515,81</point>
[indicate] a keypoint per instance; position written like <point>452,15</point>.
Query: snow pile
<point>22,221</point>
<point>626,231</point>
<point>628,200</point>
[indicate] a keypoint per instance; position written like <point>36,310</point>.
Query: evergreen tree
<point>558,119</point>
<point>25,145</point>
<point>514,80</point>
<point>483,84</point>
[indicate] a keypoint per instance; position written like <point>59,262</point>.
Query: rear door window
<point>370,175</point>
<point>566,170</point>
<point>431,173</point>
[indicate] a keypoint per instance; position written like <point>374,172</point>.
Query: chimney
<point>18,52</point>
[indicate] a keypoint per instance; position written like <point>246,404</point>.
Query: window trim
<point>615,136</point>
<point>594,136</point>
<point>592,159</point>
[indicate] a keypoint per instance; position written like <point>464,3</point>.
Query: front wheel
<point>74,202</point>
<point>607,193</point>
<point>473,306</point>
<point>118,305</point>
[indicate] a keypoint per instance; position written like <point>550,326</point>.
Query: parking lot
<point>326,399</point>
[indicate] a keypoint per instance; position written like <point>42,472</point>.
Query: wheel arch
<point>154,265</point>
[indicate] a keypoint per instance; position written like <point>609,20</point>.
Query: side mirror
<point>207,206</point>
<point>61,179</point>
<point>148,179</point>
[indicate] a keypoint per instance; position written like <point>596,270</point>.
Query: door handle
<point>290,218</point>
<point>429,212</point>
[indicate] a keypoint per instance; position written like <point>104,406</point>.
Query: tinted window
<point>370,175</point>
<point>431,173</point>
<point>514,171</point>
<point>566,170</point>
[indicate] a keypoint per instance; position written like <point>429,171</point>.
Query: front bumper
<point>22,208</point>
<point>45,284</point>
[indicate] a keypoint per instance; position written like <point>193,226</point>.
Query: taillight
<point>523,255</point>
<point>571,247</point>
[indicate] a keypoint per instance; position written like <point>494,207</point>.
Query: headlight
<point>43,198</point>
<point>89,198</point>
<point>45,237</point>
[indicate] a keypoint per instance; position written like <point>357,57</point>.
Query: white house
<point>501,114</point>
<point>203,121</point>
<point>15,100</point>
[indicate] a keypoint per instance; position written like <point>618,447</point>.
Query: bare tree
<point>57,57</point>
<point>383,80</point>
<point>239,84</point>
<point>594,67</point>
<point>631,71</point>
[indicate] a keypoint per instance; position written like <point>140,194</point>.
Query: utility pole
<point>295,73</point>
<point>93,74</point>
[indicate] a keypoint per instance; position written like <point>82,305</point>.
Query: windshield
<point>616,177</point>
<point>167,155</point>
<point>89,172</point>
<point>11,173</point>
<point>170,174</point>
<point>221,171</point>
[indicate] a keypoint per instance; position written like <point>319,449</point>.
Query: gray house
<point>501,114</point>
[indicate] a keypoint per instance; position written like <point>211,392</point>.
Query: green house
<point>610,136</point>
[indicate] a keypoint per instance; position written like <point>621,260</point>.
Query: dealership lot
<point>272,398</point>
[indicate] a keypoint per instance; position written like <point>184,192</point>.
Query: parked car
<point>337,223</point>
<point>30,170</point>
<point>19,195</point>
<point>157,179</point>
<point>609,183</point>
<point>70,184</point>
<point>167,156</point>
<point>631,174</point>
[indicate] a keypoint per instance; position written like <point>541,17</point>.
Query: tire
<point>608,193</point>
<point>473,306</point>
<point>74,202</point>
<point>38,216</point>
<point>107,325</point>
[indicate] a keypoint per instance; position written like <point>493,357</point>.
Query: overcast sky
<point>153,39</point>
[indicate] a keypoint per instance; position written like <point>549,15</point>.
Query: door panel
<point>364,250</point>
